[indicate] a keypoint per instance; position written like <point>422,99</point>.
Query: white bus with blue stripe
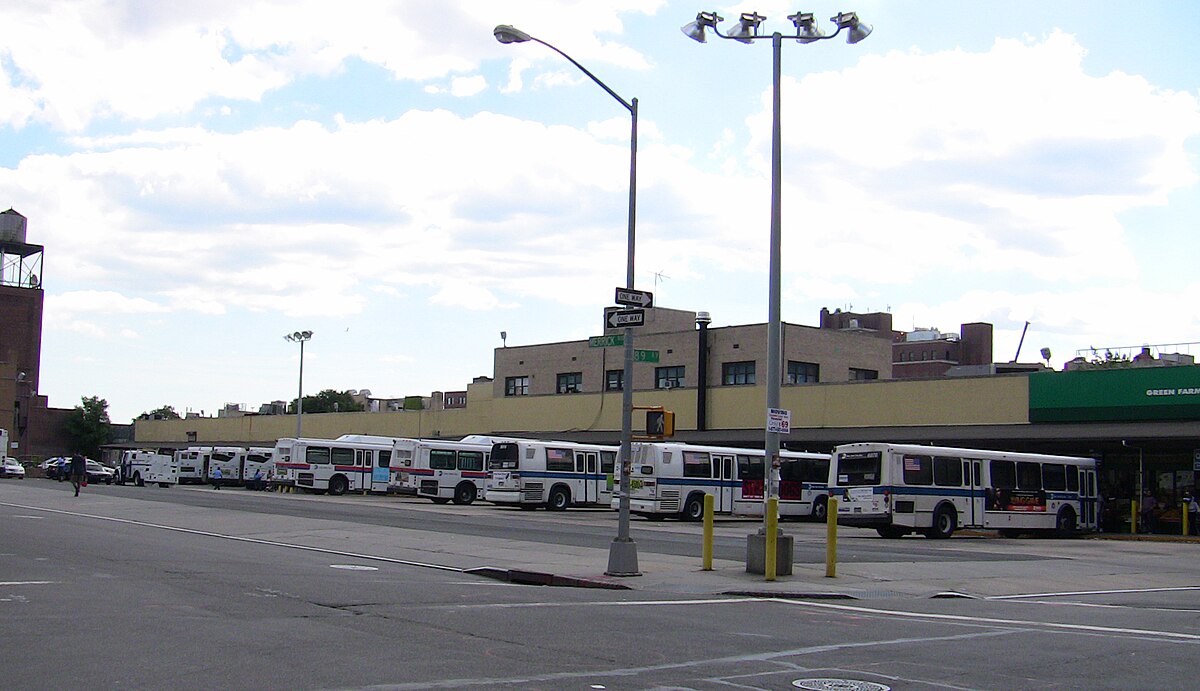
<point>899,489</point>
<point>671,479</point>
<point>554,474</point>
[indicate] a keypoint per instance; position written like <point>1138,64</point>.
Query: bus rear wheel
<point>464,494</point>
<point>1065,525</point>
<point>137,480</point>
<point>944,523</point>
<point>337,485</point>
<point>559,499</point>
<point>820,512</point>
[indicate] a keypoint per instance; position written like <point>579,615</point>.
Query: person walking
<point>216,478</point>
<point>78,471</point>
<point>1193,509</point>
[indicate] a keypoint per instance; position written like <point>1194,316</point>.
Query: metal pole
<point>774,327</point>
<point>300,393</point>
<point>622,555</point>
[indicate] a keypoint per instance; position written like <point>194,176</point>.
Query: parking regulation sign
<point>779,420</point>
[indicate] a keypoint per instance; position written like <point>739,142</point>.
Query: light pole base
<point>756,553</point>
<point>622,558</point>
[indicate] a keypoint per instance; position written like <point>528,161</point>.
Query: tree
<point>166,412</point>
<point>330,401</point>
<point>88,426</point>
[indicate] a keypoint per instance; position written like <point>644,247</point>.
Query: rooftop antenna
<point>1021,342</point>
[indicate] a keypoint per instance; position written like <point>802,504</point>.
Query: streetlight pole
<point>807,31</point>
<point>299,337</point>
<point>622,555</point>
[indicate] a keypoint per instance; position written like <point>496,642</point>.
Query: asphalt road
<point>93,603</point>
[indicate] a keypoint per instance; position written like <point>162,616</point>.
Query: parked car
<point>61,470</point>
<point>10,468</point>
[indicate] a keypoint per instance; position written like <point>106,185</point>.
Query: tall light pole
<point>747,31</point>
<point>622,555</point>
<point>299,337</point>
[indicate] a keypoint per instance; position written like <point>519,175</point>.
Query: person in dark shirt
<point>78,471</point>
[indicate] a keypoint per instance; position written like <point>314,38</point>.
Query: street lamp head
<point>298,336</point>
<point>506,33</point>
<point>704,20</point>
<point>807,30</point>
<point>747,27</point>
<point>849,20</point>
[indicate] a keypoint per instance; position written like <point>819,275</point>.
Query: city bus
<point>899,489</point>
<point>442,471</point>
<point>193,463</point>
<point>230,460</point>
<point>555,474</point>
<point>258,458</point>
<point>337,467</point>
<point>671,479</point>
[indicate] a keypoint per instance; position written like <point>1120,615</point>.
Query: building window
<point>862,374</point>
<point>803,372</point>
<point>737,373</point>
<point>614,380</point>
<point>570,382</point>
<point>668,377</point>
<point>516,386</point>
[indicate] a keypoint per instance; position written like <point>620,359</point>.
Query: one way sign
<point>620,319</point>
<point>634,298</point>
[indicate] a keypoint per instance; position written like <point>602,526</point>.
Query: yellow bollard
<point>708,532</point>
<point>1183,513</point>
<point>1133,517</point>
<point>772,538</point>
<point>831,538</point>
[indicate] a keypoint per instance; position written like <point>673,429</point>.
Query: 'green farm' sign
<point>1141,393</point>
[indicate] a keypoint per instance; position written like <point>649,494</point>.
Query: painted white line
<point>1075,593</point>
<point>1096,605</point>
<point>994,620</point>
<point>2,583</point>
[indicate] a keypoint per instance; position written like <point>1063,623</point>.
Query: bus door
<point>381,476</point>
<point>587,463</point>
<point>972,478</point>
<point>722,470</point>
<point>364,463</point>
<point>1087,491</point>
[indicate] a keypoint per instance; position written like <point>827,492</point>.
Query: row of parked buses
<point>895,489</point>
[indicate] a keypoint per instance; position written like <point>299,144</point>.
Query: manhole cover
<point>839,685</point>
<point>353,567</point>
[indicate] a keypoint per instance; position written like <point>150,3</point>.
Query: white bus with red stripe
<point>443,471</point>
<point>333,465</point>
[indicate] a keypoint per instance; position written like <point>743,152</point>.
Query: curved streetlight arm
<point>602,85</point>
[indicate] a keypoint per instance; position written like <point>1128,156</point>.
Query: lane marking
<point>2,583</point>
<point>1072,593</point>
<point>995,620</point>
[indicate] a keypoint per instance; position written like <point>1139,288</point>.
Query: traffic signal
<point>660,423</point>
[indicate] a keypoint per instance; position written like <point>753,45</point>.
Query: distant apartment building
<point>921,353</point>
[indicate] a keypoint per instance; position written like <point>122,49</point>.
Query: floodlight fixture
<point>807,30</point>
<point>747,27</point>
<point>704,20</point>
<point>849,20</point>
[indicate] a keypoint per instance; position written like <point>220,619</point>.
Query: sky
<point>209,176</point>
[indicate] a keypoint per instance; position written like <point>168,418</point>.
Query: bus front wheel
<point>559,499</point>
<point>464,494</point>
<point>137,480</point>
<point>337,485</point>
<point>693,510</point>
<point>820,512</point>
<point>944,523</point>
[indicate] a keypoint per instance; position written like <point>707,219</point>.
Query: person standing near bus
<point>78,471</point>
<point>1193,509</point>
<point>216,478</point>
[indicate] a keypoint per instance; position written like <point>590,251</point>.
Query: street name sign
<point>634,298</point>
<point>622,319</point>
<point>645,355</point>
<point>606,341</point>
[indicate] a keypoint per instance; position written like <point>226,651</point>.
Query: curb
<point>523,577</point>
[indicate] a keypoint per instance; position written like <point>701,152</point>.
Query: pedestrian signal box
<point>660,423</point>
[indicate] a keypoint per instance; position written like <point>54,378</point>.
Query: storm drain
<point>839,685</point>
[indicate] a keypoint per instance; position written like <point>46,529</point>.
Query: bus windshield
<point>859,468</point>
<point>505,456</point>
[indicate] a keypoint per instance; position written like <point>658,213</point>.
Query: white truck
<point>140,467</point>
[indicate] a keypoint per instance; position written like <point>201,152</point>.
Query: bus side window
<point>1073,478</point>
<point>385,459</point>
